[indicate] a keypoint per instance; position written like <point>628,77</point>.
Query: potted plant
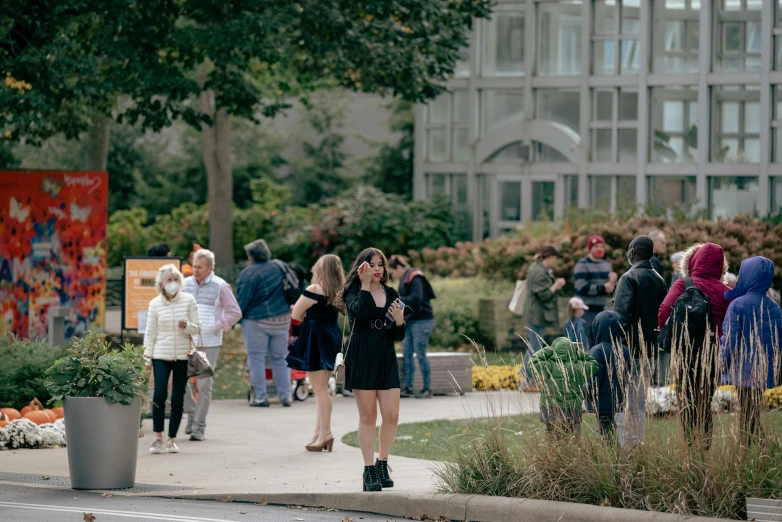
<point>101,390</point>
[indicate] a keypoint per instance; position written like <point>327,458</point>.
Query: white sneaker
<point>171,446</point>
<point>156,447</point>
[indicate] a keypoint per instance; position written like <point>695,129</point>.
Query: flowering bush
<point>661,402</point>
<point>725,400</point>
<point>773,397</point>
<point>496,377</point>
<point>23,433</point>
<point>506,257</point>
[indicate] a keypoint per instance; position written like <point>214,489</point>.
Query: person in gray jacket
<point>540,308</point>
<point>218,311</point>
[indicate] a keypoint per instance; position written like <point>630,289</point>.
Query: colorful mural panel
<point>52,250</point>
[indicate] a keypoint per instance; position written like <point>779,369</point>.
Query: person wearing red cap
<point>594,280</point>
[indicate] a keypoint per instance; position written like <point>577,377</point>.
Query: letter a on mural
<point>52,250</point>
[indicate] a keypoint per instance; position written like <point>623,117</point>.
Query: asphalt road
<point>23,504</point>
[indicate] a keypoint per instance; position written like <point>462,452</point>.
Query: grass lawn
<point>228,375</point>
<point>437,440</point>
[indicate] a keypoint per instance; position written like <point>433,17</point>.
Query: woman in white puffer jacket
<point>171,320</point>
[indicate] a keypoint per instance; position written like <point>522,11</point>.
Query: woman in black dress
<point>371,371</point>
<point>319,341</point>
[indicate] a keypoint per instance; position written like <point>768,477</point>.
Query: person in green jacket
<point>562,370</point>
<point>540,308</point>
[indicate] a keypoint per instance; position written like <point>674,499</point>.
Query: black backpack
<point>690,315</point>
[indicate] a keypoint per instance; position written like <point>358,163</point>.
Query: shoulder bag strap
<point>344,349</point>
<point>688,283</point>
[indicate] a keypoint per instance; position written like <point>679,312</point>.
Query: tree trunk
<point>216,139</point>
<point>97,154</point>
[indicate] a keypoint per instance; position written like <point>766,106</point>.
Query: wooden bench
<point>450,371</point>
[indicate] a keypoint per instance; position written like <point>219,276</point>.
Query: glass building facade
<point>609,104</point>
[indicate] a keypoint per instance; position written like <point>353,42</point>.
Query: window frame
<point>514,8</point>
<point>614,125</point>
<point>616,38</point>
<point>717,134</point>
<point>690,16</point>
<point>686,95</point>
<point>743,17</point>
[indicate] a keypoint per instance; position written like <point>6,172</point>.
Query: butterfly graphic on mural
<point>51,187</point>
<point>18,212</point>
<point>80,213</point>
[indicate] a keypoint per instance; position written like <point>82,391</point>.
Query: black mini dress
<point>319,339</point>
<point>370,363</point>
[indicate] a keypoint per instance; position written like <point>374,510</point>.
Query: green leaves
<point>95,369</point>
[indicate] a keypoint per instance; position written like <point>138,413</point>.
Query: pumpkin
<point>35,405</point>
<point>4,421</point>
<point>38,416</point>
<point>11,413</point>
<point>59,412</point>
<point>52,416</point>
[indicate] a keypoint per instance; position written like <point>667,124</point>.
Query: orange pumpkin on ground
<point>4,420</point>
<point>52,416</point>
<point>38,416</point>
<point>35,405</point>
<point>59,412</point>
<point>11,413</point>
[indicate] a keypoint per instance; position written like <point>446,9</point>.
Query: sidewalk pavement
<point>261,450</point>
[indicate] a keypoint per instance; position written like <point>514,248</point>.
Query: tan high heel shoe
<point>313,441</point>
<point>327,444</point>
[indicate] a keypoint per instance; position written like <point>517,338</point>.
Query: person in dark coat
<point>751,338</point>
<point>696,381</point>
<point>639,294</point>
<point>613,361</point>
<point>417,294</point>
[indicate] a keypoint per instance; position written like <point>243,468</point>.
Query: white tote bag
<point>516,305</point>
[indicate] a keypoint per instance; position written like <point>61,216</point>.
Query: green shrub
<point>22,370</point>
<point>456,309</point>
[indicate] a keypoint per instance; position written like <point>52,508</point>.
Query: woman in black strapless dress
<point>371,371</point>
<point>319,341</point>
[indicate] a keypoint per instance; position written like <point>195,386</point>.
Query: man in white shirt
<point>218,311</point>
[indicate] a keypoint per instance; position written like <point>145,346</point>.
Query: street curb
<point>473,508</point>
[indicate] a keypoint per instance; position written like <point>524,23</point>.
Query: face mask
<point>599,253</point>
<point>171,288</point>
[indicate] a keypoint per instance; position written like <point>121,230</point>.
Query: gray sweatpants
<point>197,410</point>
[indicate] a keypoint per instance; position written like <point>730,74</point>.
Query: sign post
<point>138,289</point>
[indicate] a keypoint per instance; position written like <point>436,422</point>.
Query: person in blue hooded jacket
<point>750,342</point>
<point>606,390</point>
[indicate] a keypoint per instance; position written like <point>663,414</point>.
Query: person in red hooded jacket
<point>696,378</point>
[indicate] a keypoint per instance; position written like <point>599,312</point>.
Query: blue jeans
<point>259,340</point>
<point>416,341</point>
<point>535,344</point>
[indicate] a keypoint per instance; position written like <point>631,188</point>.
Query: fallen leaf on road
<point>89,517</point>
<point>243,512</point>
<point>262,504</point>
<point>347,519</point>
<point>228,499</point>
<point>170,474</point>
<point>107,495</point>
<point>45,477</point>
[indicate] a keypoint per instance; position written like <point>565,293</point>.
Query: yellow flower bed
<point>773,397</point>
<point>496,377</point>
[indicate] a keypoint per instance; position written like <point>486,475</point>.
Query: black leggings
<point>162,370</point>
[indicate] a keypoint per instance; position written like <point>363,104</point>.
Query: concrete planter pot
<point>102,442</point>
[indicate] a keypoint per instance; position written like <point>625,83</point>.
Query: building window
<point>546,154</point>
<point>504,43</point>
<point>729,196</point>
<point>571,191</point>
<point>462,69</point>
<point>738,37</point>
<point>515,152</point>
<point>616,27</point>
<point>447,128</point>
<point>612,193</point>
<point>736,124</point>
<point>510,200</point>
<point>559,106</point>
<point>600,192</point>
<point>543,200</point>
<point>452,185</point>
<point>499,106</point>
<point>778,35</point>
<point>776,194</point>
<point>559,39</point>
<point>676,33</point>
<point>614,125</point>
<point>674,125</point>
<point>776,124</point>
<point>665,192</point>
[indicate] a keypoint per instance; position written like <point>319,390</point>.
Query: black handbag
<point>290,283</point>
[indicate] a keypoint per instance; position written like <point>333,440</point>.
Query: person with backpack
<point>750,345</point>
<point>639,294</point>
<point>694,311</point>
<point>417,294</point>
<point>606,391</point>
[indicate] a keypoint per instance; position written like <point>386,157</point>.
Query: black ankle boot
<point>371,479</point>
<point>382,470</point>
